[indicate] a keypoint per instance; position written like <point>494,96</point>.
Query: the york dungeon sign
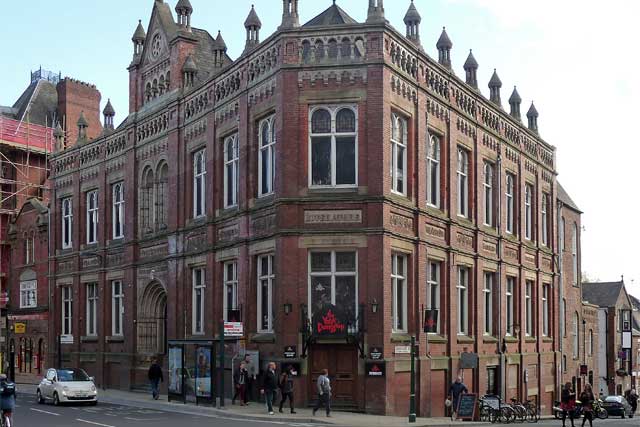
<point>330,320</point>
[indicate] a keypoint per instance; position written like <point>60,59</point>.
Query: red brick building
<point>334,189</point>
<point>28,132</point>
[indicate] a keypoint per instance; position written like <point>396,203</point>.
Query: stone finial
<point>375,13</point>
<point>82,127</point>
<point>109,113</point>
<point>494,87</point>
<point>444,46</point>
<point>252,24</point>
<point>184,11</point>
<point>412,20</point>
<point>532,116</point>
<point>58,134</point>
<point>471,70</point>
<point>219,50</point>
<point>189,71</point>
<point>290,17</point>
<point>514,103</point>
<point>139,36</point>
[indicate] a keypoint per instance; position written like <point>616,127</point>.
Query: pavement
<point>129,409</point>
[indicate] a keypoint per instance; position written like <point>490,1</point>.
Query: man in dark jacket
<point>455,391</point>
<point>240,379</point>
<point>270,386</point>
<point>286,388</point>
<point>155,377</point>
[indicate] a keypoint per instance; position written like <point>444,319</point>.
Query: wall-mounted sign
<point>290,352</point>
<point>431,320</point>
<point>402,349</point>
<point>329,321</point>
<point>468,360</point>
<point>375,353</point>
<point>233,329</point>
<point>66,339</point>
<point>626,340</point>
<point>584,369</point>
<point>375,369</point>
<point>20,328</point>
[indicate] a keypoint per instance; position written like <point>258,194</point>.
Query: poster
<point>203,372</point>
<point>175,370</point>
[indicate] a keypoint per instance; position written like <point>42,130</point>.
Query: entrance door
<point>342,363</point>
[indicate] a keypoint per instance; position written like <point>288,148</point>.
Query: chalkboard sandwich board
<point>467,404</point>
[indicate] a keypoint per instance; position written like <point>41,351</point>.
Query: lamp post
<point>412,392</point>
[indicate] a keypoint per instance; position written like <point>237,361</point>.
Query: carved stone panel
<point>511,253</point>
<point>464,240</point>
<point>229,233</point>
<point>152,252</point>
<point>401,223</point>
<point>196,242</point>
<point>333,217</point>
<point>263,224</point>
<point>435,231</point>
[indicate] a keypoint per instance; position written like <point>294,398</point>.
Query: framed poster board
<point>467,404</point>
<point>203,374</point>
<point>176,367</point>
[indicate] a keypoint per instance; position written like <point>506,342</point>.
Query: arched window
<point>509,197</point>
<point>161,85</point>
<point>267,157</point>
<point>231,173</point>
<point>398,154</point>
<point>161,196</point>
<point>576,349</point>
<point>146,201</point>
<point>319,50</point>
<point>67,223</point>
<point>433,172</point>
<point>333,49</point>
<point>590,342</point>
<point>118,210</point>
<point>199,184</point>
<point>345,48</point>
<point>488,193</point>
<point>463,182</point>
<point>306,50</point>
<point>333,147</point>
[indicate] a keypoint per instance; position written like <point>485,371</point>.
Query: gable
<point>161,30</point>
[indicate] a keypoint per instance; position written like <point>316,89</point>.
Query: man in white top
<point>324,393</point>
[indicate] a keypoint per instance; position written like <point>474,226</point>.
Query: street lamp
<point>288,308</point>
<point>374,306</point>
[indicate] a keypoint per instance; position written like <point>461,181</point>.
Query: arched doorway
<point>152,316</point>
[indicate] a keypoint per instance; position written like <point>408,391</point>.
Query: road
<point>31,414</point>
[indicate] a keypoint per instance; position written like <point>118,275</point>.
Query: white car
<point>67,386</point>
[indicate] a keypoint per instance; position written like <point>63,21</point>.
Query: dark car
<point>617,406</point>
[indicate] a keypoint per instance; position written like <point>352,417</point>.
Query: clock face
<point>156,45</point>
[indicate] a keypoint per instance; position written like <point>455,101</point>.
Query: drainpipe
<point>560,243</point>
<point>501,343</point>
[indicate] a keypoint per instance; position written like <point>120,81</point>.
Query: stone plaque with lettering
<point>436,232</point>
<point>402,222</point>
<point>333,217</point>
<point>465,240</point>
<point>229,233</point>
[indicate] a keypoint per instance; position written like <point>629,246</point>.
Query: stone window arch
<point>162,180</point>
<point>146,201</point>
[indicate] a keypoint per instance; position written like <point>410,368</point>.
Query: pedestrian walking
<point>286,388</point>
<point>324,393</point>
<point>586,401</point>
<point>633,400</point>
<point>270,386</point>
<point>240,379</point>
<point>155,377</point>
<point>568,404</point>
<point>251,377</point>
<point>455,391</point>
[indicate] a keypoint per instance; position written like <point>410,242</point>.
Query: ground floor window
<point>492,380</point>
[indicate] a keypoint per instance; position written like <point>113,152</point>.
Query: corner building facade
<point>334,189</point>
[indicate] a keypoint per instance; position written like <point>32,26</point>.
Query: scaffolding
<point>24,162</point>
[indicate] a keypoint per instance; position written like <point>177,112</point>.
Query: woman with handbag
<point>568,404</point>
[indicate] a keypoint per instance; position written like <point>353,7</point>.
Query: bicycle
<point>520,411</point>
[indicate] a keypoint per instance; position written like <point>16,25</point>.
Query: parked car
<point>67,386</point>
<point>617,406</point>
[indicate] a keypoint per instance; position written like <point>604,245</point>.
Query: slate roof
<point>252,20</point>
<point>604,294</point>
<point>334,15</point>
<point>564,197</point>
<point>495,80</point>
<point>533,112</point>
<point>39,100</point>
<point>444,42</point>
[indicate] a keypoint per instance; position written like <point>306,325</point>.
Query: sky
<point>577,59</point>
